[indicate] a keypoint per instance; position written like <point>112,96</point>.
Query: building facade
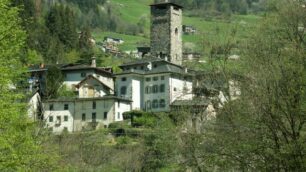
<point>84,113</point>
<point>154,84</point>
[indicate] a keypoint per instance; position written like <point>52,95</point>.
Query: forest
<point>263,130</point>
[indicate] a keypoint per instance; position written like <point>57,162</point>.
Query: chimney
<point>93,62</point>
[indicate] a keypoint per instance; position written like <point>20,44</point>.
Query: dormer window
<point>123,79</point>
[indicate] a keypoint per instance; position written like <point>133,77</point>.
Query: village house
<point>153,84</point>
<point>189,30</point>
<point>188,56</point>
<point>111,40</point>
<point>95,107</point>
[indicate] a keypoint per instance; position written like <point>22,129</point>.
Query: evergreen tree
<point>86,46</point>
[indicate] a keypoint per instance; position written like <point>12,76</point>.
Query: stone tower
<point>166,32</point>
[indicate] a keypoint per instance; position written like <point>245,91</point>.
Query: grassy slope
<point>133,10</point>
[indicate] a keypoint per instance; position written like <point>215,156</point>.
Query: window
<point>58,118</point>
<point>162,78</point>
<point>65,118</point>
<point>123,90</point>
<point>66,106</point>
<point>118,115</point>
<point>148,90</point>
<point>83,74</point>
<point>141,67</point>
<point>155,89</point>
<point>155,104</point>
<point>51,107</point>
<point>94,117</point>
<point>148,79</point>
<point>118,104</point>
<point>50,118</point>
<point>123,79</point>
<point>162,103</point>
<point>135,68</point>
<point>174,89</point>
<point>94,105</point>
<point>162,88</point>
<point>155,66</point>
<point>155,78</point>
<point>83,117</point>
<point>176,31</point>
<point>105,116</point>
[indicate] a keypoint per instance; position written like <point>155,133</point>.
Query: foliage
<point>20,150</point>
<point>264,130</point>
<point>54,80</point>
<point>66,92</point>
<point>86,46</point>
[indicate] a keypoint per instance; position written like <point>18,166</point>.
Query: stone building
<point>166,32</point>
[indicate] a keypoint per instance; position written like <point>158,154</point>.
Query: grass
<point>131,41</point>
<point>209,31</point>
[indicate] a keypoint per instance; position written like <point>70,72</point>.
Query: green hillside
<point>208,30</point>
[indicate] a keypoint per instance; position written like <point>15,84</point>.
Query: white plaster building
<point>84,113</point>
<point>153,84</point>
<point>75,73</point>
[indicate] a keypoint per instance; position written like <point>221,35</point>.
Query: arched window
<point>176,31</point>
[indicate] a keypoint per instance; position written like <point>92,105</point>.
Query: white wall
<point>180,89</point>
<point>58,111</point>
<point>33,106</point>
<point>86,107</point>
<point>159,95</point>
<point>136,94</point>
<point>120,108</point>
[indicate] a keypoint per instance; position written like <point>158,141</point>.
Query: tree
<point>19,150</point>
<point>264,130</point>
<point>54,81</point>
<point>86,46</point>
